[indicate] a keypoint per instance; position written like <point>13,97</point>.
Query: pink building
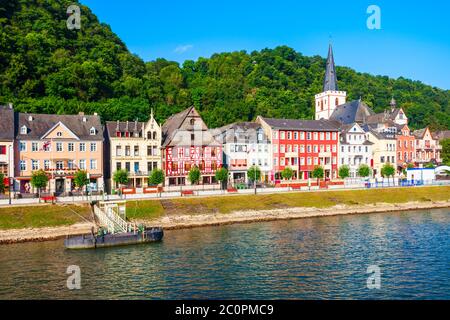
<point>60,145</point>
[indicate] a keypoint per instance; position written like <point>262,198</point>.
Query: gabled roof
<point>39,124</point>
<point>176,130</point>
<point>419,134</point>
<point>307,125</point>
<point>330,81</point>
<point>59,123</point>
<point>6,123</point>
<point>353,111</point>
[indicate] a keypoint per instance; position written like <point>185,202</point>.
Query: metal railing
<point>113,222</point>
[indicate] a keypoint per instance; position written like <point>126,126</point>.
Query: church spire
<point>330,82</point>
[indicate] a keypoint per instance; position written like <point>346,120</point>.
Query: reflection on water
<point>310,258</point>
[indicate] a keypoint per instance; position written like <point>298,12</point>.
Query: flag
<point>46,146</point>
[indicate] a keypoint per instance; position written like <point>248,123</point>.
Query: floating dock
<point>89,241</point>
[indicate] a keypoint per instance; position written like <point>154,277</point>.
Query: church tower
<point>331,97</point>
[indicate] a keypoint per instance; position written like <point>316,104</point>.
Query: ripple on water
<point>315,258</point>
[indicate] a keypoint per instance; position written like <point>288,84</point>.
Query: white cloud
<point>183,48</point>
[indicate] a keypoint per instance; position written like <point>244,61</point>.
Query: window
<point>136,151</point>
<point>59,147</point>
<point>149,151</point>
<point>118,151</point>
<point>59,165</point>
<point>308,136</point>
<point>70,147</point>
<point>34,146</point>
<point>302,136</point>
<point>92,131</point>
<point>282,135</point>
<point>322,136</point>
<point>23,146</point>
<point>336,102</point>
<point>23,165</point>
<point>59,134</point>
<point>93,164</point>
<point>82,147</point>
<point>71,164</point>
<point>192,137</point>
<point>23,130</point>
<point>34,165</point>
<point>127,166</point>
<point>136,167</point>
<point>192,121</point>
<point>93,147</point>
<point>82,165</point>
<point>118,166</point>
<point>2,150</point>
<point>296,135</point>
<point>127,151</point>
<point>46,164</point>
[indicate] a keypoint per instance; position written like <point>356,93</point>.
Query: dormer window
<point>23,130</point>
<point>92,131</point>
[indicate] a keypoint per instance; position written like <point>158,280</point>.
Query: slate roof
<point>123,126</point>
<point>308,125</point>
<point>172,135</point>
<point>419,133</point>
<point>330,80</point>
<point>441,135</point>
<point>42,123</point>
<point>379,135</point>
<point>353,111</point>
<point>244,132</point>
<point>6,123</point>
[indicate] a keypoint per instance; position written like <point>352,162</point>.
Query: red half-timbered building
<point>186,143</point>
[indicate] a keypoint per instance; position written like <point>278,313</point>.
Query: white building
<point>355,148</point>
<point>384,149</point>
<point>245,145</point>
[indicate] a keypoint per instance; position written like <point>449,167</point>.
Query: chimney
<point>81,113</point>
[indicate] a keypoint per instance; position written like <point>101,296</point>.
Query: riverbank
<point>38,223</point>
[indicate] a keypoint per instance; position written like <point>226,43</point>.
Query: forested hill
<point>46,68</point>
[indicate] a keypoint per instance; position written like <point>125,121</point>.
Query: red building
<point>303,145</point>
<point>406,149</point>
<point>187,142</point>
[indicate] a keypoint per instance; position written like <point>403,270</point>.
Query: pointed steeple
<point>330,82</point>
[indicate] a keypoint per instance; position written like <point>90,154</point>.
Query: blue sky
<point>414,40</point>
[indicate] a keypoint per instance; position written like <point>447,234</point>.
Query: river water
<point>314,258</point>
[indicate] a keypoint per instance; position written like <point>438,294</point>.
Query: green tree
<point>2,183</point>
<point>254,173</point>
<point>287,173</point>
<point>387,171</point>
<point>39,180</point>
<point>222,176</point>
<point>445,154</point>
<point>121,177</point>
<point>194,175</point>
<point>344,171</point>
<point>318,173</point>
<point>364,171</point>
<point>429,165</point>
<point>81,179</point>
<point>156,177</point>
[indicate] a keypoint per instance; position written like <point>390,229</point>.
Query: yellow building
<point>135,147</point>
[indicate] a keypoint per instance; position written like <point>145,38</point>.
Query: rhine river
<point>314,258</point>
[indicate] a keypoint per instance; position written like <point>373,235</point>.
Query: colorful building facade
<point>60,145</point>
<point>134,147</point>
<point>187,142</point>
<point>302,145</point>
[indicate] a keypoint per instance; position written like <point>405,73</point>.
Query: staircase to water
<point>112,221</point>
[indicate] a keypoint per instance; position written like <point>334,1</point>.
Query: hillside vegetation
<point>46,68</point>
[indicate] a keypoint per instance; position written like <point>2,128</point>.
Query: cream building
<point>383,149</point>
<point>135,147</point>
